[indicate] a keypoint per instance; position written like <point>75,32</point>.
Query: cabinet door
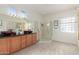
<point>4,46</point>
<point>23,41</point>
<point>34,38</point>
<point>15,43</point>
<point>28,40</point>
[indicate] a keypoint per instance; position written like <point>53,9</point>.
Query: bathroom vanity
<point>16,34</point>
<point>11,44</point>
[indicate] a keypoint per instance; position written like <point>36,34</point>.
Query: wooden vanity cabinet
<point>23,41</point>
<point>15,44</point>
<point>29,39</point>
<point>9,45</point>
<point>34,38</point>
<point>4,46</point>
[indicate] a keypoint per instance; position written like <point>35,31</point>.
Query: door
<point>46,31</point>
<point>34,38</point>
<point>15,43</point>
<point>28,39</point>
<point>24,41</point>
<point>4,46</point>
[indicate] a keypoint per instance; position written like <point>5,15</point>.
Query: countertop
<point>15,35</point>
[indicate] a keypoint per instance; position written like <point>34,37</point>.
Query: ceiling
<point>53,8</point>
<point>44,8</point>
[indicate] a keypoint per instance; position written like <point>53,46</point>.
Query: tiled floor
<point>50,48</point>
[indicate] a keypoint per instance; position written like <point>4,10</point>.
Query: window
<point>68,24</point>
<point>12,11</point>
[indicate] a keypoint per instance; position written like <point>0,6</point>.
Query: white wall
<point>57,34</point>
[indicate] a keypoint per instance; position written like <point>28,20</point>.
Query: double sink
<point>12,34</point>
